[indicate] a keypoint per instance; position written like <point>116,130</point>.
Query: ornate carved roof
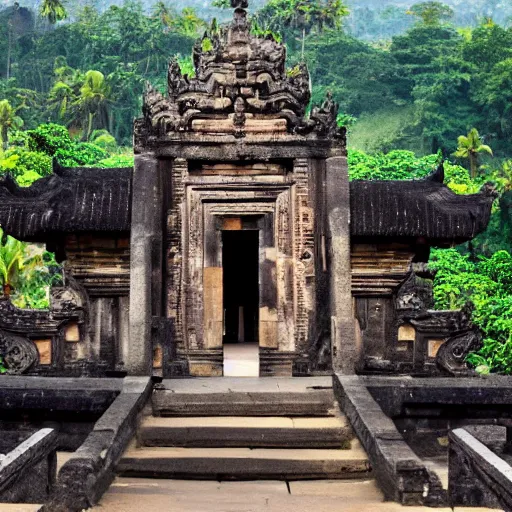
<point>99,200</point>
<point>241,78</point>
<point>418,208</point>
<point>70,201</point>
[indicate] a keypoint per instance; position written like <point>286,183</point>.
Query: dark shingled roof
<point>418,208</point>
<point>99,200</point>
<point>70,201</point>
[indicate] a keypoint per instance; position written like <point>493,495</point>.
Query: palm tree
<point>94,102</point>
<point>12,256</point>
<point>53,11</point>
<point>164,14</point>
<point>188,23</point>
<point>302,15</point>
<point>8,121</point>
<point>60,99</point>
<point>470,146</point>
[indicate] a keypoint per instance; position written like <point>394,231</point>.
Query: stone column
<point>145,245</point>
<point>343,343</point>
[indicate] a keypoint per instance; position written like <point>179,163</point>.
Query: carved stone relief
<point>19,354</point>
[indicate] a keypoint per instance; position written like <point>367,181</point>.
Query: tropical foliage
<point>414,84</point>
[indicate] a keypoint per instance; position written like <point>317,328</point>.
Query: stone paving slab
<point>244,422</point>
<point>246,384</point>
<point>135,495</point>
<point>19,507</point>
<point>355,453</point>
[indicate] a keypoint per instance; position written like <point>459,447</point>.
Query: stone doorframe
<point>267,208</point>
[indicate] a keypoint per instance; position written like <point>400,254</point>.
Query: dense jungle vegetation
<point>415,83</point>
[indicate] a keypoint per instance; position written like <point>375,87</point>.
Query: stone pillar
<point>145,246</point>
<point>343,342</point>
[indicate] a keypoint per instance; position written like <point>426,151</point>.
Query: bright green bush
<point>82,153</point>
<point>29,161</point>
<point>49,139</point>
<point>487,286</point>
<point>116,161</point>
<point>104,140</point>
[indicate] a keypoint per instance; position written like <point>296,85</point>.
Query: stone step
<point>245,397</point>
<point>246,431</point>
<point>244,463</point>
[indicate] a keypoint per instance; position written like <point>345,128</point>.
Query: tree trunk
<point>9,44</point>
<point>473,165</point>
<point>89,127</point>
<point>7,290</point>
<point>303,41</point>
<point>5,137</point>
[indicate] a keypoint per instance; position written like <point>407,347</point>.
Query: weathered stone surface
<point>344,355</point>
<point>264,432</point>
<point>90,470</point>
<point>241,397</point>
<point>27,473</point>
<point>63,395</point>
<point>244,464</point>
<point>131,494</point>
<point>489,397</point>
<point>477,476</point>
<point>241,87</point>
<point>421,208</point>
<point>400,473</point>
<point>145,263</point>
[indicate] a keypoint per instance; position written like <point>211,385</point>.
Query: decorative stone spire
<point>238,77</point>
<point>240,4</point>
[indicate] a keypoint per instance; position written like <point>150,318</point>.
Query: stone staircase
<point>245,429</point>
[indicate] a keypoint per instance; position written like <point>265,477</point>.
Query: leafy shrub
<point>49,139</point>
<point>24,165</point>
<point>116,161</point>
<point>34,290</point>
<point>104,140</point>
<point>487,286</point>
<point>82,153</point>
<point>395,165</point>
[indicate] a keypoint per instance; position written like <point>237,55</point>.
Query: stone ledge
<point>27,473</point>
<point>477,476</point>
<point>399,472</point>
<point>58,394</point>
<point>90,470</point>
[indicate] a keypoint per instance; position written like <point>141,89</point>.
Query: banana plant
<point>12,259</point>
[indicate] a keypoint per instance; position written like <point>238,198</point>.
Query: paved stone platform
<point>135,495</point>
<point>246,384</point>
<point>244,396</point>
<point>241,360</point>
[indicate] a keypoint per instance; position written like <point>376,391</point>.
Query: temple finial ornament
<point>240,4</point>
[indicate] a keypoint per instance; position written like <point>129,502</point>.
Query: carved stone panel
<point>19,354</point>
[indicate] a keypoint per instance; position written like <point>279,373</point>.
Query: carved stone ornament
<point>19,354</point>
<point>236,75</point>
<point>452,354</point>
<point>415,294</point>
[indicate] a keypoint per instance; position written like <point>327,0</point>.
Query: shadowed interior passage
<point>240,285</point>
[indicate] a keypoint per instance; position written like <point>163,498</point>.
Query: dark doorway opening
<point>240,262</point>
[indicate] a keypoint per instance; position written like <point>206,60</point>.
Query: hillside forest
<point>416,83</point>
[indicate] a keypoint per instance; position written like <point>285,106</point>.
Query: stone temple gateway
<point>238,227</point>
<point>238,222</point>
